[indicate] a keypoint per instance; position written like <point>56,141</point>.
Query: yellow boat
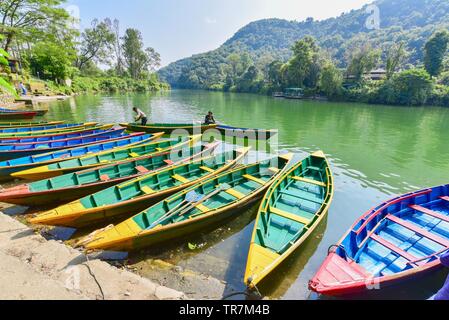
<point>202,206</point>
<point>105,158</point>
<point>291,210</point>
<point>136,194</point>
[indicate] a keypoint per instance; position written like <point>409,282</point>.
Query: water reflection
<point>375,152</point>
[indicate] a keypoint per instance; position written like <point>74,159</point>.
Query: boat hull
<point>6,125</point>
<point>187,129</point>
<point>373,254</point>
<point>17,115</point>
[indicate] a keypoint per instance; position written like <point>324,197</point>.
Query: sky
<point>181,28</point>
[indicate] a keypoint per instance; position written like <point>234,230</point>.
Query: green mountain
<point>412,21</point>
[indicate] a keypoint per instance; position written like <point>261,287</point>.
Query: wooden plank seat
<point>204,168</point>
<point>236,194</point>
<point>142,169</point>
<point>180,178</point>
<point>289,216</point>
<point>134,155</point>
<point>435,238</point>
<point>104,177</point>
<point>445,198</point>
<point>147,190</point>
<point>256,180</point>
<point>390,246</point>
<point>295,195</point>
<point>169,162</point>
<point>310,181</point>
<point>430,213</point>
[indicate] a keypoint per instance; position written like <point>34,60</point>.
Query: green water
<point>375,151</point>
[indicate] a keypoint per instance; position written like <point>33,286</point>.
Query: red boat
<point>399,240</point>
<point>17,115</point>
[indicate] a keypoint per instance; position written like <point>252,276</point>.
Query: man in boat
<point>141,116</point>
<point>209,118</point>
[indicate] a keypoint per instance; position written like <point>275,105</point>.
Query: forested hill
<point>412,21</point>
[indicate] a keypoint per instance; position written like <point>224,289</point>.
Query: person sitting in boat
<point>141,116</point>
<point>209,118</point>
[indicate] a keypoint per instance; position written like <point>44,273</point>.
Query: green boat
<point>64,167</point>
<point>195,209</point>
<point>291,210</point>
<point>76,185</point>
<point>135,195</point>
<point>168,128</point>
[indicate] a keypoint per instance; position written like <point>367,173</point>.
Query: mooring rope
<point>93,276</point>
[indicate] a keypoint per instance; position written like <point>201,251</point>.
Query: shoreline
<point>34,268</point>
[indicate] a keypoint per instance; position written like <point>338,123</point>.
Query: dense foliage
<point>43,34</point>
<point>277,60</point>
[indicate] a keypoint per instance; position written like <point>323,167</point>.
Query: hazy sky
<point>180,28</point>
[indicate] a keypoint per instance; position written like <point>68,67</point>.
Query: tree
<point>27,18</point>
<point>396,56</point>
<point>50,62</point>
<point>363,60</point>
<point>331,79</point>
<point>118,48</point>
<point>139,60</point>
<point>300,64</point>
<point>275,74</point>
<point>434,52</point>
<point>412,87</point>
<point>97,44</point>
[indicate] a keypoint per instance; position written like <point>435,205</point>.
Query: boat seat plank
<point>169,162</point>
<point>289,216</point>
<point>142,169</point>
<point>202,208</point>
<point>257,180</point>
<point>235,194</point>
<point>418,230</point>
<point>134,155</point>
<point>207,169</point>
<point>104,177</point>
<point>310,181</point>
<point>147,190</point>
<point>430,213</point>
<point>390,246</point>
<point>445,198</point>
<point>274,170</point>
<point>180,178</point>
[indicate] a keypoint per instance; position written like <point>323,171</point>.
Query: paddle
<point>190,197</point>
<point>221,187</point>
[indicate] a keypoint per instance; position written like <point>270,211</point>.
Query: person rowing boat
<point>141,116</point>
<point>209,119</point>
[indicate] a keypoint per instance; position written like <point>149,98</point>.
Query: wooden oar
<point>189,198</point>
<point>222,187</point>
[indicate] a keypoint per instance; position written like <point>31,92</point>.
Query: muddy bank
<point>34,268</point>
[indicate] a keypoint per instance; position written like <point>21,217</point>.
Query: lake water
<point>375,151</point>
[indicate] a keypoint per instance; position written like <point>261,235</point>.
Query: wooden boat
<point>290,211</point>
<point>104,158</point>
<point>399,240</point>
<point>39,113</point>
<point>4,125</point>
<point>246,133</point>
<point>17,115</point>
<point>137,194</point>
<point>11,166</point>
<point>15,151</point>
<point>64,137</point>
<point>76,185</point>
<point>168,128</point>
<point>15,133</point>
<point>68,132</point>
<point>201,206</point>
<point>50,128</point>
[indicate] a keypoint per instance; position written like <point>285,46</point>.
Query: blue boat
<point>11,166</point>
<point>62,137</point>
<point>17,151</point>
<point>397,241</point>
<point>54,127</point>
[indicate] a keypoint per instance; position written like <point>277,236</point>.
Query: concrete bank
<point>34,268</point>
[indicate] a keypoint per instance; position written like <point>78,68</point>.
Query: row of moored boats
<point>166,188</point>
